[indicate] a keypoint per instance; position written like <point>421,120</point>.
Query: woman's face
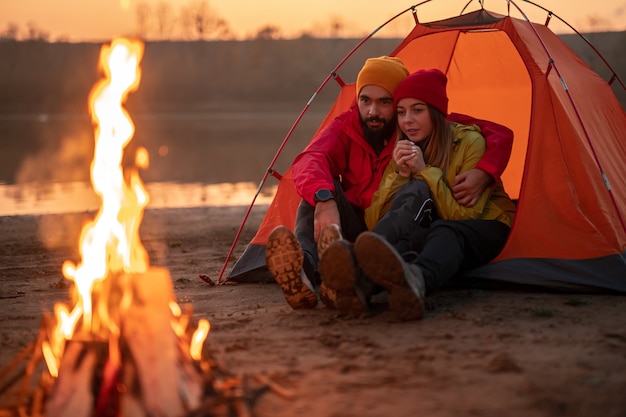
<point>414,119</point>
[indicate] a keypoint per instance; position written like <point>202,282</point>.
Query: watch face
<point>324,195</point>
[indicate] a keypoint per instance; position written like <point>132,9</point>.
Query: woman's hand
<point>408,158</point>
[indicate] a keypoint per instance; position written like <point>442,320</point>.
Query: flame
<point>110,244</point>
<point>198,338</point>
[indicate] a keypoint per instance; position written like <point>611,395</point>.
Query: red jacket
<point>340,150</point>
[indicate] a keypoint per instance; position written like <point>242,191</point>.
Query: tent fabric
<point>566,168</point>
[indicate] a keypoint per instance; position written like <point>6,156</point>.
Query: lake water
<point>54,198</point>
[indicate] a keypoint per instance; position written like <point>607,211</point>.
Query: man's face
<point>378,116</point>
<point>376,107</point>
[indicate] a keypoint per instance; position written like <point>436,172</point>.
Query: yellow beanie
<point>385,71</point>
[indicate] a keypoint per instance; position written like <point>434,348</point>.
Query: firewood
<point>275,388</point>
<point>153,344</point>
<point>145,369</point>
<point>16,361</point>
<point>72,394</point>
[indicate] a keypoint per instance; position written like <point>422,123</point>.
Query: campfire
<point>123,347</point>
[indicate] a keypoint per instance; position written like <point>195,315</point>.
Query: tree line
<point>193,20</point>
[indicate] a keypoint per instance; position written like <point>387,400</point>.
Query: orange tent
<point>567,164</point>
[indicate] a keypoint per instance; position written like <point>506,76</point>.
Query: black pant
<point>406,223</point>
<point>352,224</point>
<point>456,246</point>
<point>445,247</point>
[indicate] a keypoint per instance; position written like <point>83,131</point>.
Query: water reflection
<point>70,197</point>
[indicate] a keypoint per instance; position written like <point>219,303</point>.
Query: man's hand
<point>326,212</point>
<point>469,185</point>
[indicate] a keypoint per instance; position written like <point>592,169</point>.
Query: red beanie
<point>428,86</point>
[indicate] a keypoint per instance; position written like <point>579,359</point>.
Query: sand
<point>477,352</point>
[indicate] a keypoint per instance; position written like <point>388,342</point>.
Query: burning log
<point>72,394</point>
<point>146,371</point>
<point>168,386</point>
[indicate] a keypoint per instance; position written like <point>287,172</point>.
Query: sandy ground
<point>478,352</point>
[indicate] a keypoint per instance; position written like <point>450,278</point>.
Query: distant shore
<point>59,198</point>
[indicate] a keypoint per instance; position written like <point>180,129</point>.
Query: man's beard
<point>378,138</point>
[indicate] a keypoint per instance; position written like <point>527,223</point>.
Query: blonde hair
<point>439,147</point>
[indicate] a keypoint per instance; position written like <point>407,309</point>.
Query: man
<point>338,172</point>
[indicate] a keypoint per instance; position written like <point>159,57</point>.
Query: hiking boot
<point>328,235</point>
<point>340,289</point>
<point>284,258</point>
<point>383,265</point>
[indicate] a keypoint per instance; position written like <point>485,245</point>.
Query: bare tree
<point>201,22</point>
<point>34,33</point>
<point>337,26</point>
<point>334,27</point>
<point>597,23</point>
<point>143,17</point>
<point>306,34</point>
<point>11,33</point>
<point>165,20</point>
<point>268,32</point>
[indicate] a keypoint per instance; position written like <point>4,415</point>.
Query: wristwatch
<point>323,194</point>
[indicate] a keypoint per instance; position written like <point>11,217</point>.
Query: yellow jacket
<point>467,148</point>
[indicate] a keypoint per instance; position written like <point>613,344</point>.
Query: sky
<point>101,20</point>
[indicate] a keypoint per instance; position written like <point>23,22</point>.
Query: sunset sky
<point>96,20</point>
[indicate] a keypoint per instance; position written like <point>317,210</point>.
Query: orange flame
<point>110,244</point>
<point>198,338</point>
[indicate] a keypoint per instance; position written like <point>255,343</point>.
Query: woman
<point>452,240</point>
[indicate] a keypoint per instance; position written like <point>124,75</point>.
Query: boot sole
<point>284,259</point>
